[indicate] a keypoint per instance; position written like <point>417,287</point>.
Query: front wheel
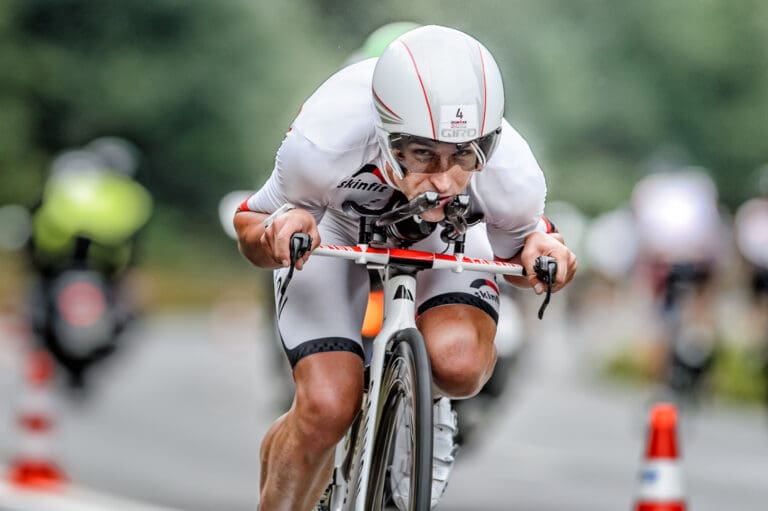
<point>405,401</point>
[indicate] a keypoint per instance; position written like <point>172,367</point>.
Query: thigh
<point>443,287</point>
<point>323,307</point>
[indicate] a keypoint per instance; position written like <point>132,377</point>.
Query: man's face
<point>437,167</point>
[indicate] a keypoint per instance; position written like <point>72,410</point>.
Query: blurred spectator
<point>681,242</point>
<point>81,247</point>
<point>610,246</point>
<point>751,226</point>
<point>608,258</point>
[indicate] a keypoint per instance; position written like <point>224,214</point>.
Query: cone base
<point>37,475</point>
<point>660,506</point>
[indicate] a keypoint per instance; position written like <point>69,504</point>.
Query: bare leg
<point>460,341</point>
<point>297,452</point>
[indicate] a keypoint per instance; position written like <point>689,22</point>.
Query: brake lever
<point>300,244</point>
<point>545,268</point>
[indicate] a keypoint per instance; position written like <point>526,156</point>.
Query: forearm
<point>268,246</point>
<point>249,226</point>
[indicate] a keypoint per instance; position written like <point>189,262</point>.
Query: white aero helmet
<point>440,84</point>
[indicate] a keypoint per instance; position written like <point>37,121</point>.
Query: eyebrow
<point>423,141</point>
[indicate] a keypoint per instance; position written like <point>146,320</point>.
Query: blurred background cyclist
<point>681,247</point>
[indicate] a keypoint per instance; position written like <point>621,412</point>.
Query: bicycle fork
<point>351,475</point>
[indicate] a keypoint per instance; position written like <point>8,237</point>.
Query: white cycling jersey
<point>330,156</point>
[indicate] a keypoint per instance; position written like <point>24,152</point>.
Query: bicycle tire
<point>406,379</point>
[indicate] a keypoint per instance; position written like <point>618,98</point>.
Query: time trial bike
<point>398,382</point>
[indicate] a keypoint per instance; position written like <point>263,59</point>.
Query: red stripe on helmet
<point>423,89</point>
<point>384,104</point>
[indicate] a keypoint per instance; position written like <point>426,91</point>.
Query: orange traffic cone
<point>33,466</point>
<point>661,485</point>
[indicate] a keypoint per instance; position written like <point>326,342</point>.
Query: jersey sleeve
<point>512,191</point>
<point>302,176</point>
<point>332,137</point>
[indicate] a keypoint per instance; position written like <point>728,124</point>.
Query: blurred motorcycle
<point>78,317</point>
<point>81,248</point>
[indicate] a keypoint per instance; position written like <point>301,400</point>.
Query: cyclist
<point>425,116</point>
<point>471,412</point>
<point>681,241</point>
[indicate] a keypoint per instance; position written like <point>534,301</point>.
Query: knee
<point>462,364</point>
<point>323,414</point>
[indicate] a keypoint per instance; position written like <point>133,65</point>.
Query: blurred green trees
<point>206,89</point>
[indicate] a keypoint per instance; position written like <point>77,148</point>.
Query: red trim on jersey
<point>384,104</point>
<point>550,226</point>
<point>485,91</point>
<point>423,89</point>
<point>243,205</point>
<point>376,172</point>
<point>547,223</point>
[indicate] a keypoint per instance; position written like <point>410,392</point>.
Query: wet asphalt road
<point>178,416</point>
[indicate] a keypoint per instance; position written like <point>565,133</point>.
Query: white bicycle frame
<point>399,314</point>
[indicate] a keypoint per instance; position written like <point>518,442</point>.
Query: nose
<point>445,163</point>
<point>442,181</point>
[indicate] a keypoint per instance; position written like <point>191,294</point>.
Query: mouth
<point>437,212</point>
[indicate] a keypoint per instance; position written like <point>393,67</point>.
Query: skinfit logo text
<point>359,184</point>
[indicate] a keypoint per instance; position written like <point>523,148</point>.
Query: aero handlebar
<point>545,267</point>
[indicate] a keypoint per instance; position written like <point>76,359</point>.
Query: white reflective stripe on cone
<point>661,481</point>
<point>35,447</point>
